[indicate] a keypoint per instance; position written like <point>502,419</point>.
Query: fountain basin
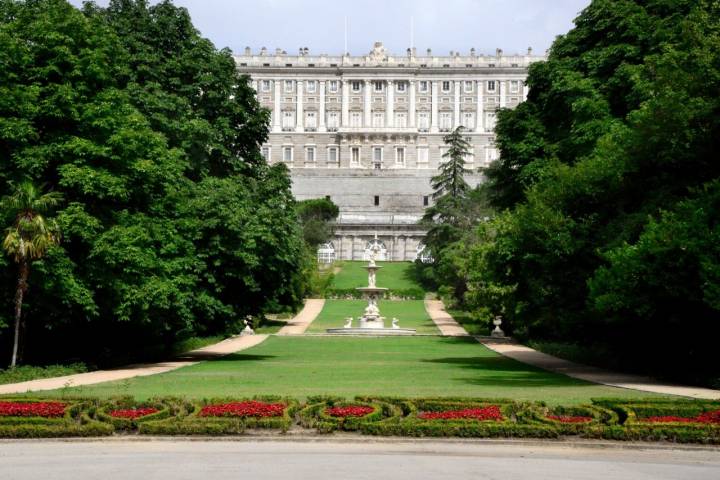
<point>372,332</point>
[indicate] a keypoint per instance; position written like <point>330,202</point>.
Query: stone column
<point>390,107</point>
<point>345,120</point>
<point>501,86</point>
<point>321,112</point>
<point>277,113</point>
<point>434,108</point>
<point>524,89</point>
<point>480,120</point>
<point>255,85</point>
<point>299,120</point>
<point>456,110</point>
<point>367,105</point>
<point>411,106</point>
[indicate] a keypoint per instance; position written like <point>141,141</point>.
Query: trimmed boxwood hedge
<point>392,294</point>
<point>74,423</point>
<point>615,419</point>
<point>194,424</point>
<point>314,414</point>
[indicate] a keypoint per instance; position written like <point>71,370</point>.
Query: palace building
<point>367,132</point>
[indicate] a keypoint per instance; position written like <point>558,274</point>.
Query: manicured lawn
<point>411,314</point>
<point>393,275</point>
<point>410,366</point>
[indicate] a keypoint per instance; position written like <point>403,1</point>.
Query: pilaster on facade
<point>480,123</point>
<point>367,108</point>
<point>299,112</point>
<point>390,107</point>
<point>277,111</point>
<point>434,107</point>
<point>411,106</point>
<point>456,106</point>
<point>321,109</point>
<point>345,120</point>
<point>503,97</point>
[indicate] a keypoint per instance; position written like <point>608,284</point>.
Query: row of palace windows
<point>311,86</point>
<point>377,155</point>
<point>400,120</point>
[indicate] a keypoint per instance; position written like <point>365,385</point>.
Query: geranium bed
<point>23,418</point>
<point>32,409</point>
<point>250,408</point>
<point>327,414</point>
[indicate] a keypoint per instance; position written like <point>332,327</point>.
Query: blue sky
<point>442,25</point>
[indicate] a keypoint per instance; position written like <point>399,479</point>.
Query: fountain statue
<point>371,322</point>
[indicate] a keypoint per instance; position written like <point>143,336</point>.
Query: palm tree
<point>28,239</point>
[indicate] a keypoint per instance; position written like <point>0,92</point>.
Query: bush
<point>392,294</point>
<point>315,415</point>
<point>565,417</point>
<point>74,423</point>
<point>25,373</point>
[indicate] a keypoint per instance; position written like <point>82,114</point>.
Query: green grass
<point>409,366</point>
<point>24,373</point>
<point>393,275</point>
<point>411,314</point>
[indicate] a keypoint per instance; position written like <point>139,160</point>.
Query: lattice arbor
<point>379,247</point>
<point>326,253</point>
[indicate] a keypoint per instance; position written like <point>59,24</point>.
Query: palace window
<point>378,119</point>
<point>288,154</point>
<point>311,120</point>
<point>400,156</point>
<point>333,157</point>
<point>422,156</point>
<point>446,86</point>
<point>266,153</point>
<point>333,86</point>
<point>401,119</point>
<point>355,119</point>
<point>489,121</point>
<point>401,87</point>
<point>491,85</point>
<point>468,86</point>
<point>288,86</point>
<point>265,85</point>
<point>426,200</point>
<point>333,121</point>
<point>377,156</point>
<point>376,200</point>
<point>445,121</point>
<point>468,120</point>
<point>491,154</point>
<point>288,120</point>
<point>423,121</point>
<point>356,87</point>
<point>514,86</point>
<point>469,158</point>
<point>423,86</point>
<point>311,86</point>
<point>378,86</point>
<point>310,155</point>
<point>355,156</point>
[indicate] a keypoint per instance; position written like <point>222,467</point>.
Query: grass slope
<point>410,366</point>
<point>411,314</point>
<point>393,275</point>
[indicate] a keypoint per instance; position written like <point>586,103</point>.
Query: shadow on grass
<point>232,357</point>
<point>504,372</point>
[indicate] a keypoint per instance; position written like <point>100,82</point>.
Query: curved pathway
<point>304,318</point>
<point>226,347</point>
<point>521,353</point>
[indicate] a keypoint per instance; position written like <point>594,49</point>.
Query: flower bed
<point>250,408</point>
<point>227,417</point>
<point>124,413</point>
<point>676,420</point>
<point>23,418</point>
<point>32,409</point>
<point>573,420</point>
<point>570,418</point>
<point>327,414</point>
<point>491,412</point>
<point>133,413</point>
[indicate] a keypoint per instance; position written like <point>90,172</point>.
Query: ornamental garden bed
<point>125,414</point>
<point>441,417</point>
<point>24,418</point>
<point>226,416</point>
<point>574,420</point>
<point>327,414</point>
<point>672,420</point>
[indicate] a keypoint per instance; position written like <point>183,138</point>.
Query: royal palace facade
<point>367,132</point>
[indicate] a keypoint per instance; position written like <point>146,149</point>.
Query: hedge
<point>75,422</point>
<point>392,294</point>
<point>314,415</point>
<point>166,408</point>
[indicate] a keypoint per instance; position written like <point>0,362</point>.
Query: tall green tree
<point>29,238</point>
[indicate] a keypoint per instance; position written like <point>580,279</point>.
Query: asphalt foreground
<point>350,458</point>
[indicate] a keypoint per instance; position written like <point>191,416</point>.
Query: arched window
<point>379,247</point>
<point>326,253</point>
<point>422,253</point>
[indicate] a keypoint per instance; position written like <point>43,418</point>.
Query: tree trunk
<point>19,293</point>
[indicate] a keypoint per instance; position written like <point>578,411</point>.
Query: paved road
<point>259,460</point>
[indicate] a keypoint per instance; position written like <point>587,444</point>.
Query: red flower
<point>250,408</point>
<point>32,409</point>
<point>350,411</point>
<point>133,412</point>
<point>491,412</point>
<point>705,417</point>
<point>570,418</point>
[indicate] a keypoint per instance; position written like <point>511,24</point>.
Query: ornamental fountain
<point>371,322</point>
